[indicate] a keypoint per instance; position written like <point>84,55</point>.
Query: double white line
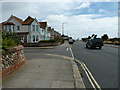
<point>92,80</point>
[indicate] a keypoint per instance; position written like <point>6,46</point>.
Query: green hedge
<point>48,41</point>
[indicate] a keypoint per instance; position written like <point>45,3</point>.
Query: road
<point>103,63</point>
<point>31,53</point>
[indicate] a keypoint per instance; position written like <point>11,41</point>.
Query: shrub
<point>84,39</point>
<point>116,42</point>
<point>9,39</point>
<point>47,41</point>
<point>108,42</point>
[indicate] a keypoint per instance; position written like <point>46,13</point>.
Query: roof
<point>28,20</point>
<point>43,25</point>
<point>49,29</point>
<point>18,19</point>
<point>7,23</point>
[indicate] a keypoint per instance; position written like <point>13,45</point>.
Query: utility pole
<point>63,27</point>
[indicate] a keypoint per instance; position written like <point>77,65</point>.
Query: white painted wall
<point>8,27</point>
<point>25,28</point>
<point>35,32</point>
<point>16,24</point>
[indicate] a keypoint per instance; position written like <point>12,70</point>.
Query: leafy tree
<point>10,39</point>
<point>105,37</point>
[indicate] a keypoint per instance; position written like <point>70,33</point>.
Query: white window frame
<point>37,37</point>
<point>37,28</point>
<point>33,38</point>
<point>18,28</point>
<point>33,27</point>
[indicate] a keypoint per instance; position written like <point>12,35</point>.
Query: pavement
<point>48,71</point>
<point>111,45</point>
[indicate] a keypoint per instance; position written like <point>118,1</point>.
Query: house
<point>51,31</point>
<point>29,30</point>
<point>32,27</point>
<point>53,34</point>
<point>45,32</point>
<point>57,35</point>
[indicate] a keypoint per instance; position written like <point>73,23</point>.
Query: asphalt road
<point>31,53</point>
<point>103,63</point>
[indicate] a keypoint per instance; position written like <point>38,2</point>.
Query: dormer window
<point>18,28</point>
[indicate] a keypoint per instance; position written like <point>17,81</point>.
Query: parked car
<point>71,41</point>
<point>94,42</point>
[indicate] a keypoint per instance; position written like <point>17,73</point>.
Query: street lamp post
<point>63,27</point>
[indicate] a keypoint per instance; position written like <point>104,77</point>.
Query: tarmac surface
<point>43,70</point>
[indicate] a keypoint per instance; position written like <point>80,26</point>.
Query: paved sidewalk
<point>114,46</point>
<point>45,72</point>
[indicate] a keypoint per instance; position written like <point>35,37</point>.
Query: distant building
<point>45,32</point>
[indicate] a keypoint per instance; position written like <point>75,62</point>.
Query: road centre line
<point>72,53</point>
<point>87,71</point>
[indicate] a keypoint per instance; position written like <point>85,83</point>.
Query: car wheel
<point>100,47</point>
<point>86,46</point>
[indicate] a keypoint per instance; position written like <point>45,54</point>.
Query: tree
<point>105,37</point>
<point>9,39</point>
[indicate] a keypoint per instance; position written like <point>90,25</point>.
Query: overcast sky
<point>83,18</point>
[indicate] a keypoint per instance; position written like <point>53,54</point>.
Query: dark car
<point>95,42</point>
<point>71,41</point>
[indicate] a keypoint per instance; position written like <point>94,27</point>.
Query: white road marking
<point>88,73</point>
<point>67,49</point>
<point>72,53</point>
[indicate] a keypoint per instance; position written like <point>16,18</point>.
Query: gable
<point>15,20</point>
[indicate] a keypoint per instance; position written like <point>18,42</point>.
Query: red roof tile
<point>7,23</point>
<point>28,21</point>
<point>43,25</point>
<point>18,19</point>
<point>49,29</point>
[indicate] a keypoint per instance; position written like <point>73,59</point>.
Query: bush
<point>47,41</point>
<point>108,42</point>
<point>9,39</point>
<point>117,42</point>
<point>84,39</point>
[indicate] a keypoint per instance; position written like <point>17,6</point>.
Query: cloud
<point>84,5</point>
<point>59,0</point>
<point>102,11</point>
<point>83,25</point>
<point>79,25</point>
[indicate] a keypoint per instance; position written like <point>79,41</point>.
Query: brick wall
<point>11,60</point>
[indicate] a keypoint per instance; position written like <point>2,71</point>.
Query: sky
<point>81,19</point>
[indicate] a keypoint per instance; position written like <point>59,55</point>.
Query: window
<point>36,27</point>
<point>9,28</point>
<point>37,38</point>
<point>33,38</point>
<point>13,28</point>
<point>5,27</point>
<point>33,27</point>
<point>18,27</point>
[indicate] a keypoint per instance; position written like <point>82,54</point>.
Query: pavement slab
<point>51,72</point>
